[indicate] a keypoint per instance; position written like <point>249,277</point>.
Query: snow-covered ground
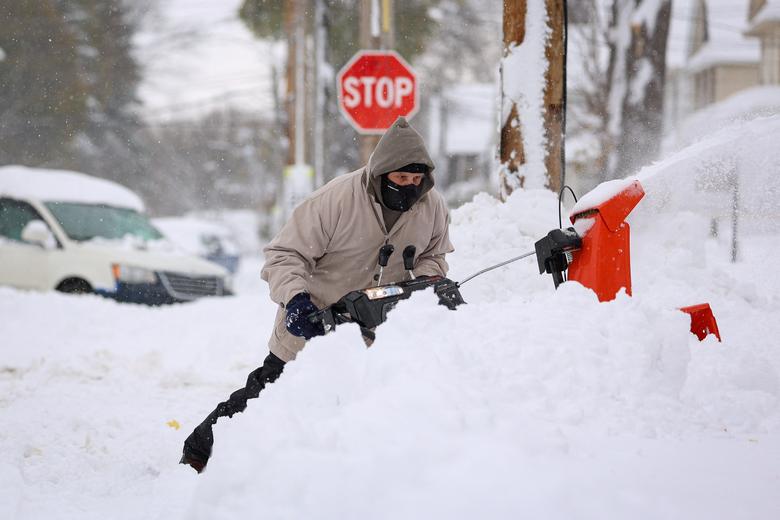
<point>527,402</point>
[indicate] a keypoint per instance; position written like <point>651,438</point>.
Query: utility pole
<point>554,94</point>
<point>320,43</point>
<point>377,31</point>
<point>533,94</point>
<point>511,151</point>
<point>298,175</point>
<point>300,92</point>
<point>290,18</point>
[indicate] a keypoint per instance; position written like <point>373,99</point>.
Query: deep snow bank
<point>91,393</point>
<point>526,401</point>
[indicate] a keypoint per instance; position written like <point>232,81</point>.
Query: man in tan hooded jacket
<point>330,246</point>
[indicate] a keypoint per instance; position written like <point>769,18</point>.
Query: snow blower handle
<point>408,255</point>
<point>384,256</point>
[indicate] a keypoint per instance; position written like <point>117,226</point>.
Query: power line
<point>186,33</point>
<point>225,96</point>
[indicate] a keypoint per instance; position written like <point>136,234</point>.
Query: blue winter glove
<point>297,322</point>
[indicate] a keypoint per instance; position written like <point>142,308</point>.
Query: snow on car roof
<point>64,186</point>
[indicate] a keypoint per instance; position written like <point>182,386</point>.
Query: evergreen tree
<point>43,97</point>
<point>107,146</point>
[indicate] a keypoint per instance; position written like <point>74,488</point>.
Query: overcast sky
<point>197,55</point>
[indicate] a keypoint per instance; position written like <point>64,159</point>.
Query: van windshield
<point>88,221</point>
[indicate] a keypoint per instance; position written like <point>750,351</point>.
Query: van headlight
<point>132,274</point>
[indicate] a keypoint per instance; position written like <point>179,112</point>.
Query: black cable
<point>560,202</point>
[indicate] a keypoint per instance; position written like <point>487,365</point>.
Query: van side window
<point>14,215</point>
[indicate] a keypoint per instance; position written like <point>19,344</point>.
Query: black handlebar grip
<point>384,254</point>
<point>408,255</point>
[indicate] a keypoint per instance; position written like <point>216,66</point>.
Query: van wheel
<point>74,286</point>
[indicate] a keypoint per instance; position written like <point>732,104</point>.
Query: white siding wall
<point>770,58</point>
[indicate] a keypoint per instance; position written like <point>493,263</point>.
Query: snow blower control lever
<point>408,256</point>
<point>384,256</point>
<point>553,252</point>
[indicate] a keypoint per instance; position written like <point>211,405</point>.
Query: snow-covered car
<point>79,234</point>
<point>201,237</point>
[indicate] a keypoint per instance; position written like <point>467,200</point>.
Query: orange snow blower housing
<point>603,264</point>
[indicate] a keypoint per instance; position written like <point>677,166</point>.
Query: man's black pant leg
<point>197,447</point>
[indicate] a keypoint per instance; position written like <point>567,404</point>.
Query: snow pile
<point>526,401</point>
<point>92,393</point>
<point>64,186</point>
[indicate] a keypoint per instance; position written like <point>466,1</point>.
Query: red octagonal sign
<point>374,88</point>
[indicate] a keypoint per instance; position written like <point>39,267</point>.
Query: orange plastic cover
<point>702,321</point>
<point>604,262</point>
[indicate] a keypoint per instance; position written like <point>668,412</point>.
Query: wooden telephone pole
<point>512,152</point>
<point>511,148</point>
<point>555,93</point>
<point>294,25</point>
<point>377,31</point>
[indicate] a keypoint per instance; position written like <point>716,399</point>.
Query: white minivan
<point>75,233</point>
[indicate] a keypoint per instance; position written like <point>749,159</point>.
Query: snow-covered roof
<point>768,14</point>
<point>726,42</point>
<point>471,118</point>
<point>64,186</point>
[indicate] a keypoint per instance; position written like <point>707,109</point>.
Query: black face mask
<point>399,198</point>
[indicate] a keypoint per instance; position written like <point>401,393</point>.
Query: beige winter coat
<point>330,245</point>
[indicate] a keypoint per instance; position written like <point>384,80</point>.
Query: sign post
<point>375,88</point>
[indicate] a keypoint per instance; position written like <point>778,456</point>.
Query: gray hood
<point>400,145</point>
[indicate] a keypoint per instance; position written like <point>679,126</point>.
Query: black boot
<point>197,447</point>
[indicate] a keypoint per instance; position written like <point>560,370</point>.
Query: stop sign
<point>374,88</point>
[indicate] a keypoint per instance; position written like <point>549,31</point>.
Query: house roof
<point>768,14</point>
<point>726,43</point>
